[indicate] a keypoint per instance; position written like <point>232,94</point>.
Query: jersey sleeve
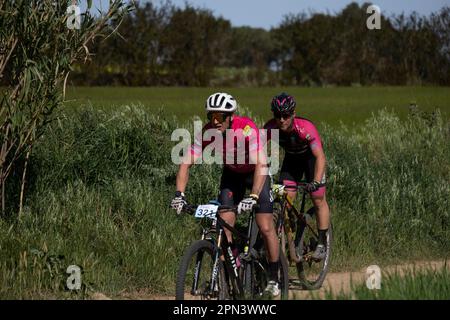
<point>312,135</point>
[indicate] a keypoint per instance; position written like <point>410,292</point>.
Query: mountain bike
<point>298,234</point>
<point>209,269</point>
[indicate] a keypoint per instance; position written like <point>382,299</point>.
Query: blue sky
<point>269,13</point>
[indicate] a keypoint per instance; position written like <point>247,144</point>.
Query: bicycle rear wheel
<point>195,273</point>
<point>311,273</point>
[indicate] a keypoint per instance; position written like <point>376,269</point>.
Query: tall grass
<point>389,188</point>
<point>100,184</point>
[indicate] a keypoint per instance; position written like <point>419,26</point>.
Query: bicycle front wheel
<point>196,272</point>
<point>311,273</point>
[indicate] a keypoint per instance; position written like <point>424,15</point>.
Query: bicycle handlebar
<point>279,189</point>
<point>300,185</point>
<point>190,209</point>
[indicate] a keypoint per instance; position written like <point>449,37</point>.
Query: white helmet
<point>221,102</point>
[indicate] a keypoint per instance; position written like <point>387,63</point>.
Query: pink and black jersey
<point>238,142</point>
<point>302,138</point>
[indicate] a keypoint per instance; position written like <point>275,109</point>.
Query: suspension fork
<point>288,227</point>
<point>279,227</point>
<point>215,270</point>
<point>198,266</point>
<point>250,254</point>
<point>252,233</point>
<point>280,220</point>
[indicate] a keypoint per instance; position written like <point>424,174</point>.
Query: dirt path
<point>334,282</point>
<point>341,281</point>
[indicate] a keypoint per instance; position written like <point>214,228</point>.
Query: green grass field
<point>331,105</point>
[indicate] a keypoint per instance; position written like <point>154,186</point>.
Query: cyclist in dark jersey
<point>304,156</point>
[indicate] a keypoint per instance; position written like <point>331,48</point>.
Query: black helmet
<point>283,103</point>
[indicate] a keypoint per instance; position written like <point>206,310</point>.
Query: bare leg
<point>323,212</point>
<point>267,229</point>
<point>230,218</point>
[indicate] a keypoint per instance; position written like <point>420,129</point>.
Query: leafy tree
<point>37,52</point>
<point>166,45</point>
<point>136,57</point>
<point>195,43</point>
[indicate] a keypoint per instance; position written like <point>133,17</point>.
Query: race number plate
<point>206,211</point>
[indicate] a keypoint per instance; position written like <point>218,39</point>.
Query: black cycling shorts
<point>294,167</point>
<point>233,186</point>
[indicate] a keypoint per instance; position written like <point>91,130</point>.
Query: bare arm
<point>261,172</point>
<point>183,172</point>
<point>319,169</point>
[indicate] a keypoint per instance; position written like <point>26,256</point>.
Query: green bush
<point>388,185</point>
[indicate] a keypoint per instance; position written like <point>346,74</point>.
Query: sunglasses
<point>278,115</point>
<point>219,116</point>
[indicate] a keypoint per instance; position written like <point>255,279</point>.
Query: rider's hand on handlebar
<point>178,202</point>
<point>313,186</point>
<point>247,204</point>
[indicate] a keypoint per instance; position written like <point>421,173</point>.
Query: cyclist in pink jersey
<point>304,156</point>
<point>237,140</point>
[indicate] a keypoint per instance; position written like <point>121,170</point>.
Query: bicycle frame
<point>286,219</point>
<point>223,248</point>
